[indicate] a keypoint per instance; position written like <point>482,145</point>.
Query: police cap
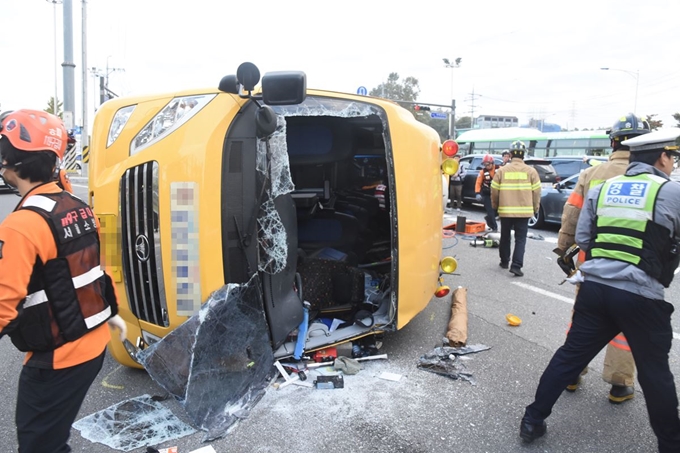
<point>663,140</point>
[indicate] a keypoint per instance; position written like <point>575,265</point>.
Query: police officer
<point>516,195</point>
<point>619,367</point>
<point>55,299</point>
<point>629,228</point>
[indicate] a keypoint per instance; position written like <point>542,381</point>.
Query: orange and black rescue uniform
<point>55,301</point>
<point>55,298</point>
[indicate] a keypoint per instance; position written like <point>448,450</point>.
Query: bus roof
<point>500,134</point>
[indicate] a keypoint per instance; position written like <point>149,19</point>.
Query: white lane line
<point>544,292</point>
<point>568,300</point>
<point>551,240</point>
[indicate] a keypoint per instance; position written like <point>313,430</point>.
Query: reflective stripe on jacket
<point>516,190</point>
<point>70,295</point>
<point>625,229</point>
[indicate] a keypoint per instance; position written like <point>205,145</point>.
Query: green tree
<point>50,108</point>
<point>654,124</point>
<point>464,122</point>
<point>407,90</point>
<point>676,117</point>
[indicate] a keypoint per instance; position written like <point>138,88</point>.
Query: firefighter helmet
<point>517,149</point>
<point>34,130</point>
<point>488,158</point>
<point>628,126</point>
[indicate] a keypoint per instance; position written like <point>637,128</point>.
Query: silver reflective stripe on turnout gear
<point>81,280</point>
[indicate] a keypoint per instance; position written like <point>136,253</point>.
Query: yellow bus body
<point>189,162</point>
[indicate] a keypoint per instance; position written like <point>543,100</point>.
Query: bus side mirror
<point>229,84</point>
<point>248,75</point>
<point>265,122</point>
<point>284,88</point>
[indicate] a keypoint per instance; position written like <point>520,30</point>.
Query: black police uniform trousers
<point>600,313</point>
<point>521,227</point>
<point>48,403</point>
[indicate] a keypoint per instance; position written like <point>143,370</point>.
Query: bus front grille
<point>142,262</point>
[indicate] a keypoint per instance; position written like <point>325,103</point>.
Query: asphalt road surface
<point>422,412</point>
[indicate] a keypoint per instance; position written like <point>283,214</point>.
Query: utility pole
<point>69,66</point>
<point>472,106</point>
<point>55,105</point>
<point>84,135</point>
<point>103,75</point>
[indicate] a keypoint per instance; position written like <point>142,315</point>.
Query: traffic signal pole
<point>452,120</point>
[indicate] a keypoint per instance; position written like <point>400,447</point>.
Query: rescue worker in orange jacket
<point>619,366</point>
<point>55,299</point>
<point>516,195</point>
<point>483,190</point>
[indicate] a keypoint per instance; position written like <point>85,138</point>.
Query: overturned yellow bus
<point>327,198</point>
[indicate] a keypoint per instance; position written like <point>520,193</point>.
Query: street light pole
<point>55,106</point>
<point>452,117</point>
<point>636,75</point>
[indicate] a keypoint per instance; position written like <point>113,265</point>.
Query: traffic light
<point>421,108</point>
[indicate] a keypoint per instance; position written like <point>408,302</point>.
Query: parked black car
<point>553,199</point>
<point>565,166</point>
<point>472,163</point>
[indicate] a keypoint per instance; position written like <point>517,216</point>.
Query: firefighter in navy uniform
<point>629,228</point>
<point>55,299</point>
<point>619,366</point>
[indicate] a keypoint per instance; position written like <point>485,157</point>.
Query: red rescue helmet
<point>487,159</point>
<point>34,130</point>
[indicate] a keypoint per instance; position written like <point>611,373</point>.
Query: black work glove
<point>566,264</point>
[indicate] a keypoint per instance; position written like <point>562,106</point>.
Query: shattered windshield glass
<point>218,363</point>
<point>132,424</point>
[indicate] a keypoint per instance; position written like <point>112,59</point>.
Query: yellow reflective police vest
<point>625,228</point>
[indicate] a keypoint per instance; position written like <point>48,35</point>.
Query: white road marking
<point>568,300</point>
<point>544,292</point>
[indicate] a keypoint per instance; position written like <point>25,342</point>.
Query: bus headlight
<point>177,112</point>
<point>118,123</point>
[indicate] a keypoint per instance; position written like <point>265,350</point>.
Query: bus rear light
<point>450,148</point>
<point>450,166</point>
<point>449,265</point>
<point>442,291</point>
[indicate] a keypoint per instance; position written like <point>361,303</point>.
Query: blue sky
<point>524,58</point>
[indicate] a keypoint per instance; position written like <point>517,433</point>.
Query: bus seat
<point>328,228</point>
